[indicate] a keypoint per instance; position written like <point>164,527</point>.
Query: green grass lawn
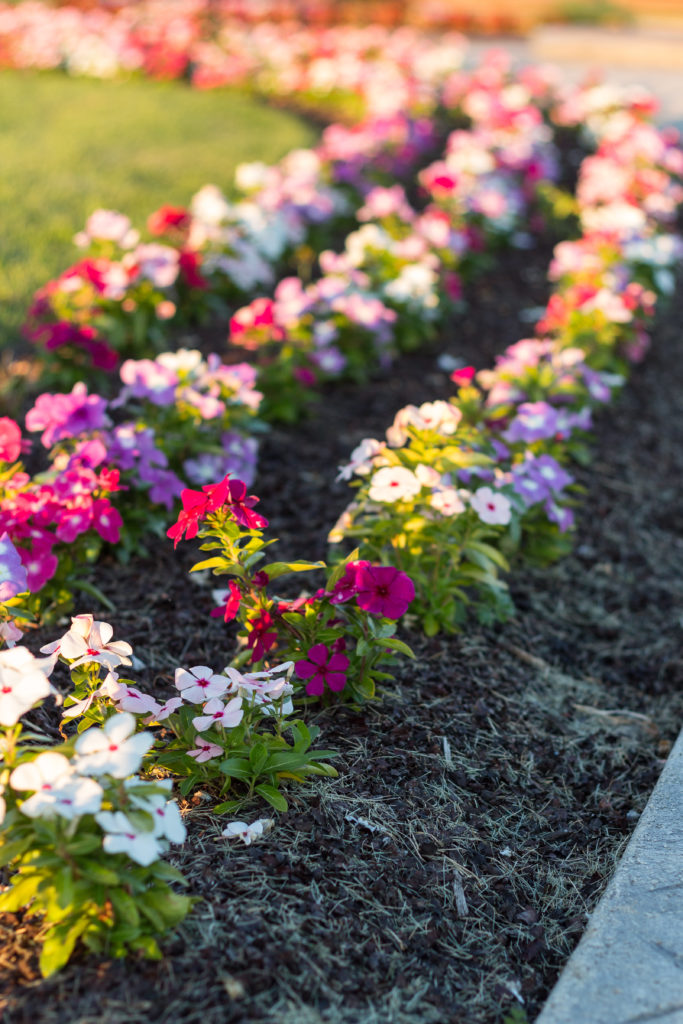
<point>71,145</point>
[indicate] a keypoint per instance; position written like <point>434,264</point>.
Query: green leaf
<point>9,851</point>
<point>98,873</point>
<point>275,569</point>
<point>20,893</point>
<point>125,906</point>
<point>227,807</point>
<point>59,944</point>
<point>394,644</point>
<point>210,563</point>
<point>258,755</point>
<point>273,796</point>
<point>493,554</point>
<point>236,768</point>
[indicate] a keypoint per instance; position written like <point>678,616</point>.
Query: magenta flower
<point>384,590</point>
<point>322,668</point>
<point>347,586</point>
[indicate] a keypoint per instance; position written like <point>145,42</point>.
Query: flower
<point>393,483</point>
<point>116,749</point>
<point>141,845</point>
<point>216,713</point>
<point>320,668</point>
<point>194,507</point>
<point>229,601</point>
<point>247,833</point>
<point>204,751</point>
<point>10,440</point>
<point>58,789</point>
<point>13,578</point>
<point>199,683</point>
<point>261,636</point>
<point>23,681</point>
<point>167,820</point>
<point>384,590</point>
<point>90,641</point>
<point>491,506</point>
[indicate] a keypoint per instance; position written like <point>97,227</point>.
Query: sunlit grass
<point>71,145</point>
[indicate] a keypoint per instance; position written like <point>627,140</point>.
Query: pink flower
<point>384,590</point>
<point>491,507</point>
<point>216,713</point>
<point>347,587</point>
<point>322,668</point>
<point>199,684</point>
<point>106,520</point>
<point>204,751</point>
<point>10,440</point>
<point>262,635</point>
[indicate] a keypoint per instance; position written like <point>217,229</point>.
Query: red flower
<point>321,668</point>
<point>464,376</point>
<point>384,590</point>
<point>229,609</point>
<point>194,507</point>
<point>168,219</point>
<point>10,440</point>
<point>262,636</point>
<point>190,263</point>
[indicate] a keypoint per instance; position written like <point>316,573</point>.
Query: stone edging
<point>628,967</point>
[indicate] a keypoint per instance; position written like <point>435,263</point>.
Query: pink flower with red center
<point>384,590</point>
<point>322,668</point>
<point>491,506</point>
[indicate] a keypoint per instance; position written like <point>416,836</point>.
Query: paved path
<point>665,83</point>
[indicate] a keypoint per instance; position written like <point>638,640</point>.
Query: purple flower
<point>564,517</point>
<point>13,579</point>
<point>322,668</point>
<point>145,378</point>
<point>166,486</point>
<point>61,416</point>
<point>535,421</point>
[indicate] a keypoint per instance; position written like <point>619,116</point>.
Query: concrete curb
<point>628,967</point>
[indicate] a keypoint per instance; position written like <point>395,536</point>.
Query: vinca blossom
<point>115,749</point>
<point>384,590</point>
<point>491,506</point>
<point>216,713</point>
<point>23,682</point>
<point>168,823</point>
<point>247,833</point>
<point>322,668</point>
<point>122,836</point>
<point>90,641</point>
<point>199,684</point>
<point>13,578</point>
<point>59,790</point>
<point>394,483</point>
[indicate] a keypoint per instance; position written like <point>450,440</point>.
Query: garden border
<point>627,966</point>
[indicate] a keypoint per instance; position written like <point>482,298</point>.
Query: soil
<point>481,805</point>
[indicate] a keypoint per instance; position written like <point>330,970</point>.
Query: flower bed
<point>483,474</point>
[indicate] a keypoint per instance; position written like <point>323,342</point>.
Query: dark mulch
<point>481,806</point>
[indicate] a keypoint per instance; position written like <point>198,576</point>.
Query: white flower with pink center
<point>394,483</point>
<point>122,836</point>
<point>23,681</point>
<point>217,713</point>
<point>362,458</point>
<point>166,814</point>
<point>116,749</point>
<point>90,641</point>
<point>199,684</point>
<point>448,502</point>
<point>204,751</point>
<point>58,790</point>
<point>247,833</point>
<point>491,506</point>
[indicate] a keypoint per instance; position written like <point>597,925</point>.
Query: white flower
<point>58,789</point>
<point>23,681</point>
<point>448,502</point>
<point>247,833</point>
<point>491,506</point>
<point>200,683</point>
<point>90,641</point>
<point>113,750</point>
<point>362,458</point>
<point>216,713</point>
<point>166,814</point>
<point>142,846</point>
<point>393,483</point>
